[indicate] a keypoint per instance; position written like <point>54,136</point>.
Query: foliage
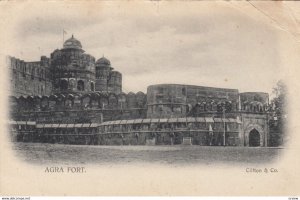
<point>279,114</point>
<point>279,102</point>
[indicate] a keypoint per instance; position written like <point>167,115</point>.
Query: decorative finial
<point>72,36</point>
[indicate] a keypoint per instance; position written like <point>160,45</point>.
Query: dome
<point>72,43</point>
<point>103,61</point>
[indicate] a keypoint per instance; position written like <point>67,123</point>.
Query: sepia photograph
<point>149,98</point>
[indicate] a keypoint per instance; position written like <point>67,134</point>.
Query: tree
<point>279,101</point>
<point>278,114</point>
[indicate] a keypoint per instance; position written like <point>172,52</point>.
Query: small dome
<point>72,43</point>
<point>103,61</point>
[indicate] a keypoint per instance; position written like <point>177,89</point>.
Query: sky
<point>237,45</point>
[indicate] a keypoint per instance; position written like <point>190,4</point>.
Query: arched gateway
<point>254,138</point>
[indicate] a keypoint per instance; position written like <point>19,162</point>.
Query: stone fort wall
<point>29,78</point>
<point>178,100</point>
<point>95,107</point>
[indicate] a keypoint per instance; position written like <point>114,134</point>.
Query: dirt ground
<point>37,153</point>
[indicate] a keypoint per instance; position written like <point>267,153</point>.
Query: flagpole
<point>63,36</point>
<point>224,134</point>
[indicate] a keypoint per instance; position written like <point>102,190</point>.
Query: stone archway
<point>254,138</point>
<point>251,135</point>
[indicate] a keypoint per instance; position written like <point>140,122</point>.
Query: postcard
<point>149,98</point>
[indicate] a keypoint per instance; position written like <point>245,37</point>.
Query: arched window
<point>214,106</point>
<point>63,84</point>
<point>98,73</point>
<point>219,108</point>
<point>112,101</point>
<point>228,107</point>
<point>80,85</point>
<point>86,101</point>
<point>201,107</point>
<point>122,101</point>
<point>209,107</point>
<point>92,86</point>
<point>103,102</point>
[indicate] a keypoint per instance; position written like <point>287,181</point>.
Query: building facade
<point>29,78</point>
<point>180,100</point>
<point>68,70</point>
<point>71,92</point>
